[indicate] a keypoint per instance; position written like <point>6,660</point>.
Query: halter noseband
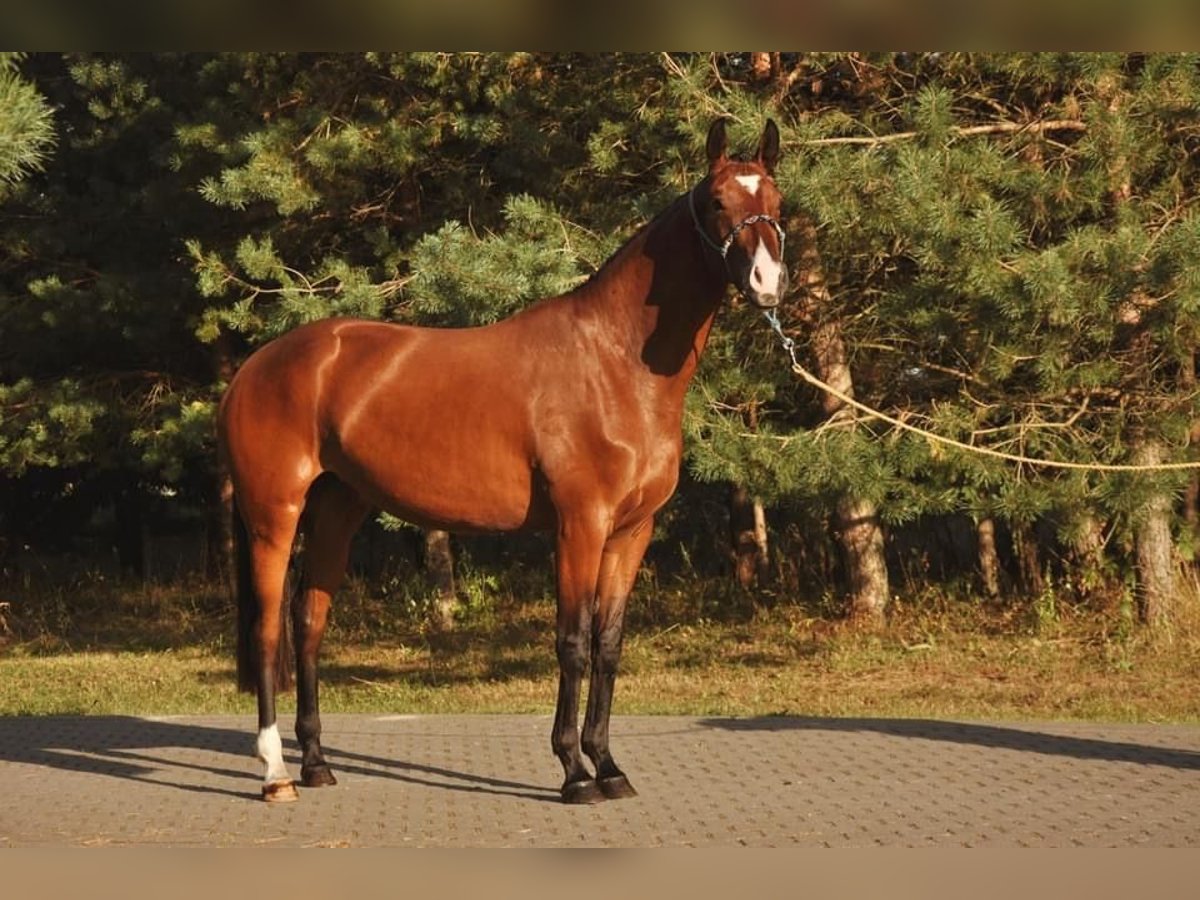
<point>723,247</point>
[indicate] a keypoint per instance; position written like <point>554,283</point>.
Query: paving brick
<point>476,781</point>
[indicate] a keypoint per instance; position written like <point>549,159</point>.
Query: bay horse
<point>565,417</point>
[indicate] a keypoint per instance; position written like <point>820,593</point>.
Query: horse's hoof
<point>582,792</point>
<point>280,792</point>
<point>616,787</point>
<point>317,776</point>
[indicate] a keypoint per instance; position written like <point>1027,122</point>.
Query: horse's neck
<point>659,295</point>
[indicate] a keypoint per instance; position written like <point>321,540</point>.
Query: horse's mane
<point>619,254</point>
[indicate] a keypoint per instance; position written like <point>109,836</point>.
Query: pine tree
<point>90,353</point>
<point>1008,246</point>
<point>1015,240</point>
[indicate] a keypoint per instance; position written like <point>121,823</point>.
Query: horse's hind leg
<point>332,515</point>
<point>269,533</point>
<point>622,558</point>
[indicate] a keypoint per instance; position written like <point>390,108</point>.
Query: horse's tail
<point>248,612</point>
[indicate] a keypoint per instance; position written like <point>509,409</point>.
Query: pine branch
<point>961,131</point>
<point>678,72</point>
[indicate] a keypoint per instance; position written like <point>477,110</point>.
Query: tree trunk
<point>763,559</point>
<point>1153,546</point>
<point>1029,564</point>
<point>989,559</point>
<point>1155,550</point>
<point>1191,496</point>
<point>856,520</point>
<point>748,533</point>
<point>439,570</point>
<point>1087,558</point>
<point>857,527</point>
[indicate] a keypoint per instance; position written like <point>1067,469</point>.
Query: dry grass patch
<point>697,649</point>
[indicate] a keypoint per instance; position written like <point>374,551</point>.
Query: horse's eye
<point>717,205</point>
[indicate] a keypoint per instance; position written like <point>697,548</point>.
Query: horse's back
<point>427,423</point>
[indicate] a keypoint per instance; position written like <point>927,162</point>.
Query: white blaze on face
<point>764,271</point>
<point>749,182</point>
<point>270,751</point>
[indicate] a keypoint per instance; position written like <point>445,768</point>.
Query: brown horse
<point>565,417</point>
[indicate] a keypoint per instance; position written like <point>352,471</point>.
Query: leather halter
<point>723,247</point>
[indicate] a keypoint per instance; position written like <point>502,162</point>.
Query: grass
<point>97,648</point>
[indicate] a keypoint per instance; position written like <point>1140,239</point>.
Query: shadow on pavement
<point>141,750</point>
<point>1025,739</point>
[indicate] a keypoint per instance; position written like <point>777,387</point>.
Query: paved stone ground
<point>474,781</point>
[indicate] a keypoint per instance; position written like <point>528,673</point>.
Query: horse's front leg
<point>618,572</point>
<point>577,559</point>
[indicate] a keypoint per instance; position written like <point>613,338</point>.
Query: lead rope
<point>789,346</point>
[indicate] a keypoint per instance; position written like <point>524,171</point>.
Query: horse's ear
<point>768,147</point>
<point>715,146</point>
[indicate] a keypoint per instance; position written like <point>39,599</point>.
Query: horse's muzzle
<point>765,299</point>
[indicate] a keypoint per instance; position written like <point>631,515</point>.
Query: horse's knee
<point>608,648</point>
<point>574,653</point>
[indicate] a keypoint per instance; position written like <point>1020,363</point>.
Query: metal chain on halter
<point>789,346</point>
<point>751,220</point>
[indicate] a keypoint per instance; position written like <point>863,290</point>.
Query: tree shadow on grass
<point>191,757</point>
<point>1027,739</point>
<point>497,668</point>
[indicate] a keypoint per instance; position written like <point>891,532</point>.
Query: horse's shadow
<point>137,749</point>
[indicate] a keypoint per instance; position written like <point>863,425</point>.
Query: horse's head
<point>737,212</point>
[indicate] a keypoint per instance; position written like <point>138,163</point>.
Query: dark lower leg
<point>595,726</point>
<point>332,515</point>
<point>314,771</point>
<point>578,784</point>
<point>622,557</point>
<point>577,560</point>
<point>610,778</point>
<point>277,784</point>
